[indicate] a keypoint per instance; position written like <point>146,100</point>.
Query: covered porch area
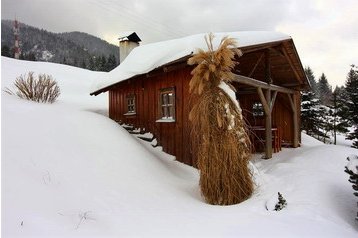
<point>268,81</point>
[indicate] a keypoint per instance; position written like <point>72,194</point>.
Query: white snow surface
<point>147,57</point>
<point>69,171</point>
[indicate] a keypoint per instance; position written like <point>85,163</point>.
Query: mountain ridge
<point>72,48</point>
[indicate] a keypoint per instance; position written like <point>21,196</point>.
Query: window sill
<point>165,120</point>
<point>130,114</point>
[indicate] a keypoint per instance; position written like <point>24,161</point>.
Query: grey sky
<point>325,31</point>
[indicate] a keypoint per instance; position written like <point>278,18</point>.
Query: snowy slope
<point>68,171</point>
<point>75,83</point>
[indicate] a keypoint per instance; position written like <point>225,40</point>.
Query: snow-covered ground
<point>69,171</point>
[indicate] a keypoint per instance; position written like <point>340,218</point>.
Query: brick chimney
<point>127,42</point>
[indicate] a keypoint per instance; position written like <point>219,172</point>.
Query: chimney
<point>127,42</point>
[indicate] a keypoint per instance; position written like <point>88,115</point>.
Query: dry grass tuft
<point>44,89</point>
<point>220,141</point>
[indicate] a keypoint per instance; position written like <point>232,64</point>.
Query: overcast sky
<point>325,31</point>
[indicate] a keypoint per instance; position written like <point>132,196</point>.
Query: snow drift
<point>69,171</point>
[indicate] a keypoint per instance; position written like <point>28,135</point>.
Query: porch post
<point>268,128</point>
<point>268,122</point>
<point>293,103</point>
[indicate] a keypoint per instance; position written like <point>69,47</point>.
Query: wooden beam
<point>273,100</point>
<point>259,84</point>
<point>278,51</point>
<point>267,67</point>
<point>174,67</point>
<point>255,66</point>
<point>267,103</point>
<point>291,64</point>
<point>263,101</point>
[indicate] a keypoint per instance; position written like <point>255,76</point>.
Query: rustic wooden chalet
<point>150,90</point>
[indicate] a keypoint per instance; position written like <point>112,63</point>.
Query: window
<point>167,104</point>
<point>257,109</point>
<point>130,104</point>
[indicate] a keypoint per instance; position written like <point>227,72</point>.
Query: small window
<point>130,104</point>
<point>257,109</point>
<point>167,104</point>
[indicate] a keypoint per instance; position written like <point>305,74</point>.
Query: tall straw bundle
<point>220,141</point>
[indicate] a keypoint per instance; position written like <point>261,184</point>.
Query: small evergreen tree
<point>338,112</point>
<point>310,113</point>
<point>282,203</point>
<point>351,86</point>
<point>311,79</point>
<point>352,170</point>
<point>324,123</point>
<point>324,90</point>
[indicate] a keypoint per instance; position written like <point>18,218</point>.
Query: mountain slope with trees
<point>71,48</point>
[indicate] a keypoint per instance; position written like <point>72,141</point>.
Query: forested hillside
<point>71,48</point>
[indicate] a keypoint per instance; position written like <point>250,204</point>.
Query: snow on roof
<point>145,58</point>
<point>129,35</point>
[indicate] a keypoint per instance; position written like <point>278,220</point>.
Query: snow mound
<point>70,172</point>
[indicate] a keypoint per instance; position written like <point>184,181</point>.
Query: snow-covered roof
<point>145,58</point>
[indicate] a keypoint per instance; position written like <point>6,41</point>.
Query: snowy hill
<point>69,171</point>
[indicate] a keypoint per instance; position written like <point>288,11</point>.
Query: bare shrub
<point>43,89</point>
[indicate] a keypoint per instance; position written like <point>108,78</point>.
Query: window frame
<point>257,109</point>
<point>131,104</point>
<point>166,107</point>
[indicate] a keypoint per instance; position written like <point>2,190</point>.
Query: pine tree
<point>111,62</point>
<point>324,123</point>
<point>91,64</point>
<point>324,90</point>
<point>352,170</point>
<point>338,113</point>
<point>311,79</point>
<point>310,113</point>
<point>351,86</point>
<point>103,64</point>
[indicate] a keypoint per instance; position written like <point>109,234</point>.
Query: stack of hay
<point>220,141</point>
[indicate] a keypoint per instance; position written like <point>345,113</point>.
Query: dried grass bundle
<point>43,89</point>
<point>220,141</point>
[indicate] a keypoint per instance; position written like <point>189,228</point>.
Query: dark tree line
<point>94,63</point>
<point>325,112</point>
<point>71,48</point>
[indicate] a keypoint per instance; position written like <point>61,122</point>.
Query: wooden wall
<point>281,114</point>
<point>174,137</point>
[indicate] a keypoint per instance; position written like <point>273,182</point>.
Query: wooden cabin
<point>150,90</point>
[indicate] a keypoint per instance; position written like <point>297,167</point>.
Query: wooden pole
<point>259,84</point>
<point>268,128</point>
<point>293,103</point>
<point>268,120</point>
